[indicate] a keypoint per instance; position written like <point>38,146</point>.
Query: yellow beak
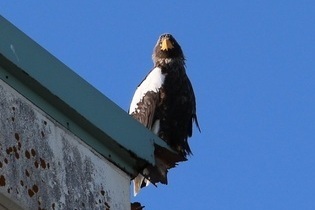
<point>166,44</point>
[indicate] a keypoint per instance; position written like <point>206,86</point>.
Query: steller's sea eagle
<point>164,102</point>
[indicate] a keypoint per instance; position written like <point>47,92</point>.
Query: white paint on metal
<point>44,165</point>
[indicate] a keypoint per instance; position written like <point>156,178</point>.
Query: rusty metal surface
<point>45,166</point>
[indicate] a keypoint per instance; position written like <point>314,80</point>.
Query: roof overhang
<point>74,103</point>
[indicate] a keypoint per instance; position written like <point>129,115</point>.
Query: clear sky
<point>253,70</point>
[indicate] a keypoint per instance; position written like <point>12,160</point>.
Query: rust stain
<point>31,193</point>
<point>36,164</point>
<point>33,152</point>
<point>9,150</point>
<point>17,137</point>
<point>42,163</point>
<point>27,173</point>
<point>2,181</point>
<point>35,188</point>
<point>107,206</point>
<point>27,154</point>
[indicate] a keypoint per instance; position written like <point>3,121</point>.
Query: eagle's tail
<point>151,174</point>
<point>164,160</point>
<point>138,183</point>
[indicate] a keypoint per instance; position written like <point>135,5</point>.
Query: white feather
<point>156,127</point>
<point>152,82</point>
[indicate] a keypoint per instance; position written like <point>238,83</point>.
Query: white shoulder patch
<point>152,82</point>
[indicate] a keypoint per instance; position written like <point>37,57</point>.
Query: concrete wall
<point>44,166</point>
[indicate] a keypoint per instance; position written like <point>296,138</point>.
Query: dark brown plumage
<point>165,103</point>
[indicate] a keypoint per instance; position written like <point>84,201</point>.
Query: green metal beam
<point>73,102</point>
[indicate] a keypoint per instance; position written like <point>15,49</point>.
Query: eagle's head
<point>167,49</point>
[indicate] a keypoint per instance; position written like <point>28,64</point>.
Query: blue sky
<point>253,70</point>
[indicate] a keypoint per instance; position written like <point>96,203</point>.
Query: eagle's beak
<point>166,44</point>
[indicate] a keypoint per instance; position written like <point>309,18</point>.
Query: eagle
<point>165,103</point>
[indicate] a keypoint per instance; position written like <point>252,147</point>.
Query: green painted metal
<point>73,102</point>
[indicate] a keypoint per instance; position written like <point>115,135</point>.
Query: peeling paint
<point>45,166</point>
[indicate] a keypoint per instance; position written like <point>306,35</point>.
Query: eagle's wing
<point>146,98</point>
<point>145,109</point>
<point>194,115</point>
<point>142,108</point>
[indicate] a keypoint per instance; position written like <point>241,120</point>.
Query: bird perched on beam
<point>164,102</point>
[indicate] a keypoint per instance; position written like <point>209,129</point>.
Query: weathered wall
<point>45,166</point>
